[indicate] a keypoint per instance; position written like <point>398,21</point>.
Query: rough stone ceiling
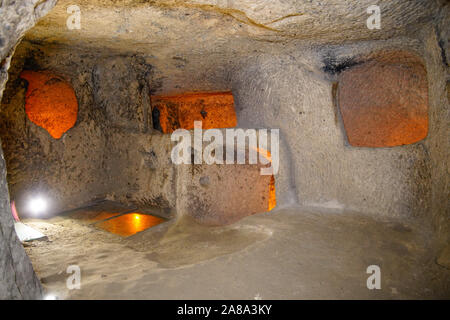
<point>199,26</point>
<point>197,44</point>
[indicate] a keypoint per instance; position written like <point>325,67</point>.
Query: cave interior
<point>356,121</point>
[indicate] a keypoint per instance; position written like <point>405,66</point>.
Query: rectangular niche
<point>384,101</point>
<point>214,109</point>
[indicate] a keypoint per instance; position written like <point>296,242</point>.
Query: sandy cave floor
<point>285,254</point>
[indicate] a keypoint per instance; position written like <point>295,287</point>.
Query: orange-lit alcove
<point>272,199</point>
<point>50,102</point>
<point>384,101</point>
<point>214,109</point>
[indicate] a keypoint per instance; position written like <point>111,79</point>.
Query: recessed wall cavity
<point>384,101</point>
<point>50,102</point>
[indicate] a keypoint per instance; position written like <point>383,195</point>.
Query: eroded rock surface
<point>280,59</point>
<point>17,278</point>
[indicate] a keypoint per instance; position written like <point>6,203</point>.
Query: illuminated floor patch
<point>129,224</point>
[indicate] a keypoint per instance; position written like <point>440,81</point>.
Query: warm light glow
<point>272,193</point>
<point>50,102</point>
<point>265,153</point>
<point>214,109</point>
<point>394,111</point>
<point>129,224</point>
<point>37,206</point>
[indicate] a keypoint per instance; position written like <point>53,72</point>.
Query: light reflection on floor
<point>129,224</point>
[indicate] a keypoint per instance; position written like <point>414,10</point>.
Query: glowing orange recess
<point>50,102</point>
<point>272,194</point>
<point>214,109</point>
<point>272,191</point>
<point>384,102</point>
